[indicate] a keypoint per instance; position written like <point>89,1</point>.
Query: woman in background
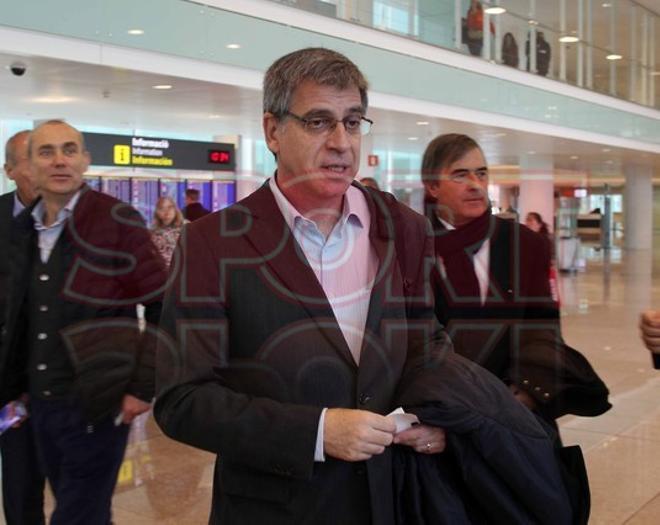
<point>166,228</point>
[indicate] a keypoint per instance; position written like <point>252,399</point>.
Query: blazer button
<point>364,399</point>
<point>44,277</point>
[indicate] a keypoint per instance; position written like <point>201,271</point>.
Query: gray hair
<point>323,66</point>
<point>56,122</point>
<point>10,147</point>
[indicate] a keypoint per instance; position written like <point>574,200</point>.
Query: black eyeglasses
<point>354,124</point>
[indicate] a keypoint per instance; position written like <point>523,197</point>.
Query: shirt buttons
<point>537,388</point>
<point>44,277</point>
<point>46,393</point>
<point>546,395</point>
<point>525,381</point>
<point>41,367</point>
<point>42,336</point>
<point>43,308</point>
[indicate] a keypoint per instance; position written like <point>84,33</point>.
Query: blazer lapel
<point>499,285</point>
<point>287,268</point>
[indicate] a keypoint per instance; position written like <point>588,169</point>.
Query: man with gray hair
<point>22,480</point>
<point>293,314</point>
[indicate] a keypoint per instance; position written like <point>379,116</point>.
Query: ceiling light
<point>609,162</point>
<point>533,22</point>
<point>495,10</point>
<point>606,4</point>
<point>214,115</point>
<point>422,123</point>
<point>531,152</point>
<point>606,150</point>
<point>614,56</point>
<point>135,32</point>
<point>574,157</point>
<point>568,39</point>
<point>499,135</point>
<point>233,46</point>
<point>53,99</point>
<point>162,86</point>
<point>413,138</point>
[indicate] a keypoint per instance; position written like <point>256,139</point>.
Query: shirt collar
<point>18,205</point>
<point>446,224</point>
<point>40,209</point>
<point>354,206</point>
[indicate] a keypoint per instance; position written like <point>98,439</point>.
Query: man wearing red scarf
<point>492,288</point>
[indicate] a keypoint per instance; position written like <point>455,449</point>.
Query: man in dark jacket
<point>493,291</point>
<point>81,261</point>
<point>22,479</point>
<point>293,315</point>
<point>194,209</point>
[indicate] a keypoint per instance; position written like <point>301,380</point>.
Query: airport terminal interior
<point>562,95</point>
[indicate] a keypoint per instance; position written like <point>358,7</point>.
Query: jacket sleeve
<point>198,402</point>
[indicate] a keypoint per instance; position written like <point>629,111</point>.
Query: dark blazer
<point>516,334</point>
<point>6,217</point>
<point>256,353</point>
<point>110,266</point>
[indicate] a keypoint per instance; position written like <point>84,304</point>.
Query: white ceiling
<point>93,96</point>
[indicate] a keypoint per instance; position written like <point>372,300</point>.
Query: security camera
<point>18,69</point>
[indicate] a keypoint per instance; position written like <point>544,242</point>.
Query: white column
<point>562,47</point>
<point>485,50</point>
<point>580,47</point>
<point>613,48</point>
<point>537,189</point>
<point>458,25</point>
<point>366,150</point>
<point>590,49</point>
<point>633,67</point>
<point>638,207</point>
<point>498,37</point>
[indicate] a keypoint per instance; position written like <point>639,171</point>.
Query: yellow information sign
<point>122,154</point>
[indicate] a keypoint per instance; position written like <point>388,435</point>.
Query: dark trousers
<point>22,478</point>
<point>81,461</point>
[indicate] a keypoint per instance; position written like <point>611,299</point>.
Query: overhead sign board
<point>159,153</point>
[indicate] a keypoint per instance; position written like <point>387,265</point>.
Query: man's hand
<point>423,438</point>
<point>523,397</point>
<point>131,407</point>
<point>649,325</point>
<point>356,435</point>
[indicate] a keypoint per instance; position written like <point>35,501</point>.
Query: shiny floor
<point>163,482</point>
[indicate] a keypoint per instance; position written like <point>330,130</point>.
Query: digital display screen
<point>219,156</point>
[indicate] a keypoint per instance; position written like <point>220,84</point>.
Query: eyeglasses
<point>354,124</point>
<point>462,176</point>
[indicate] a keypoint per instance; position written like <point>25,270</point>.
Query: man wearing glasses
<point>292,316</point>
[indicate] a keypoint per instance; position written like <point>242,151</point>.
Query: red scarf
<point>455,250</point>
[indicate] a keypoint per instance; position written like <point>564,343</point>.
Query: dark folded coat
<point>500,466</point>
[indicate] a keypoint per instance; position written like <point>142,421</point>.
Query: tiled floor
<point>163,482</point>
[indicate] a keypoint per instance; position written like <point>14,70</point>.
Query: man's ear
<point>432,187</point>
<point>272,127</point>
